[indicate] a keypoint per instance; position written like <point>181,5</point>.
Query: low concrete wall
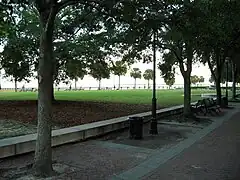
<point>24,144</point>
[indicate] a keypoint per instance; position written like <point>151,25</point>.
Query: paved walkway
<point>214,157</point>
<point>209,153</point>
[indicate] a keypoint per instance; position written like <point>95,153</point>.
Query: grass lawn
<point>164,97</point>
<point>20,117</point>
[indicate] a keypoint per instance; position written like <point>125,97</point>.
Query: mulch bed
<point>69,113</point>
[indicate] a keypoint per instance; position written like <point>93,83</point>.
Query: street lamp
<point>0,79</point>
<point>153,126</point>
<point>227,61</point>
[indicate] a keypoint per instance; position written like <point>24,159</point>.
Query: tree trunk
<point>119,82</point>
<point>187,97</point>
<point>54,74</point>
<point>135,83</point>
<point>52,91</point>
<point>99,84</point>
<point>233,81</point>
<point>15,84</point>
<point>75,83</point>
<point>218,90</point>
<point>219,63</point>
<point>148,84</point>
<point>187,80</point>
<point>217,75</point>
<point>43,153</point>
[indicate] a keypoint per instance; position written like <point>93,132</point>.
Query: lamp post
<point>227,61</point>
<point>0,79</point>
<point>153,126</point>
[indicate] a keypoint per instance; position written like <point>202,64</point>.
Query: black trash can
<point>224,101</point>
<point>135,127</point>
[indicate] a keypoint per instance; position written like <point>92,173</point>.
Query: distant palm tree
<point>136,74</point>
<point>148,75</point>
<point>119,69</point>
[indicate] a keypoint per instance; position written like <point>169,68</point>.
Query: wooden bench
<point>237,96</point>
<point>207,105</point>
<point>211,106</point>
<point>198,107</point>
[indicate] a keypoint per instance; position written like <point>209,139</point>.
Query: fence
<point>123,87</point>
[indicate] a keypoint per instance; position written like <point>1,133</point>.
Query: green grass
<point>164,97</point>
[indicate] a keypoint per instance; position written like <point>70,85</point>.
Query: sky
<point>126,81</point>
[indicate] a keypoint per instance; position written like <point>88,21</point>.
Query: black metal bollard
<point>135,127</point>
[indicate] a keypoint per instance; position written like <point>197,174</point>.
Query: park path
<point>214,156</point>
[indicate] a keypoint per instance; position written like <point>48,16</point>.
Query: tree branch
<point>166,46</point>
<point>50,19</point>
<point>211,68</point>
<point>64,3</point>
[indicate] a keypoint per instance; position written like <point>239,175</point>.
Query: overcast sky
<point>126,81</point>
<point>198,70</point>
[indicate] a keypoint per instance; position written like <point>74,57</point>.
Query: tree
<point>43,154</point>
<point>136,74</point>
<point>235,75</point>
<point>215,63</point>
<point>211,80</point>
<point>167,68</point>
<point>169,79</point>
<point>19,51</point>
<point>179,37</point>
<point>47,11</point>
<point>201,79</point>
<point>148,75</point>
<point>218,35</point>
<point>15,61</point>
<point>107,13</point>
<point>100,70</point>
<point>194,79</point>
<point>75,69</point>
<point>119,68</point>
<point>6,22</point>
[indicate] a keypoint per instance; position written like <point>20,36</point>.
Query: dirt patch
<point>69,113</point>
<point>10,128</point>
<point>25,173</point>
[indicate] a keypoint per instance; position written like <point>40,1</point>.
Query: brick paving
<point>215,157</point>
